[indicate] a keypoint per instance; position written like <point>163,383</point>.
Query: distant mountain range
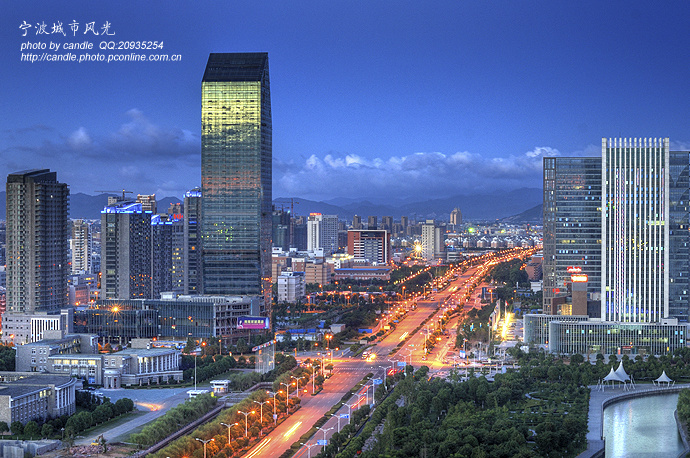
<point>519,205</point>
<point>486,206</point>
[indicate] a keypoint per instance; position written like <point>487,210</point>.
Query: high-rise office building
<point>126,251</point>
<point>167,245</point>
<point>456,217</point>
<point>679,237</point>
<point>281,229</point>
<point>372,222</point>
<point>37,242</point>
<point>148,202</point>
<point>356,222</point>
<point>322,233</point>
<point>81,245</point>
<point>635,230</point>
<point>192,249</point>
<point>236,155</point>
<point>572,224</point>
<point>372,246</point>
<point>431,240</point>
<point>387,223</point>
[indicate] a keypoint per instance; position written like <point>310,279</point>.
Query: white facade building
<point>322,233</point>
<point>431,240</point>
<point>635,229</point>
<point>291,286</point>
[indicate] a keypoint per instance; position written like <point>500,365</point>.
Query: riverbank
<point>599,400</point>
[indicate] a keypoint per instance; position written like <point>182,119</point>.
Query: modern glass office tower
<point>572,224</point>
<point>192,242</point>
<point>37,242</point>
<point>679,237</point>
<point>126,251</point>
<point>236,154</point>
<point>635,229</point>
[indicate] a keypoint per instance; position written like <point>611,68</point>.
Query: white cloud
<point>80,139</point>
<point>426,174</point>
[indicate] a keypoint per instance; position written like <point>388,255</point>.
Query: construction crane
<point>123,192</point>
<point>292,205</point>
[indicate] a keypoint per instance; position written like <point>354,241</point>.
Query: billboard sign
<point>377,381</point>
<point>252,322</point>
<point>322,442</point>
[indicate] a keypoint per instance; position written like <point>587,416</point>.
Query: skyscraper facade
<point>126,251</point>
<point>322,233</point>
<point>431,240</point>
<point>81,244</point>
<point>37,242</point>
<point>635,231</point>
<point>192,242</point>
<point>572,224</point>
<point>236,155</point>
<point>679,236</point>
<point>456,217</point>
<point>372,246</point>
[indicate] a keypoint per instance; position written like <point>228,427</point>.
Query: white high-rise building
<point>81,245</point>
<point>322,233</point>
<point>431,240</point>
<point>635,229</point>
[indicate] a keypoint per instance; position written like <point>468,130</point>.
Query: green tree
<point>47,430</point>
<point>190,346</point>
<point>31,430</point>
<point>17,428</point>
<point>4,428</point>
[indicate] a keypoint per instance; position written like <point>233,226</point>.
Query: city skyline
<point>373,99</point>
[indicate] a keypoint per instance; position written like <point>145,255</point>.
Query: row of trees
<point>92,411</point>
<point>173,420</point>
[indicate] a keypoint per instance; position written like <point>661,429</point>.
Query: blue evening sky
<point>374,99</point>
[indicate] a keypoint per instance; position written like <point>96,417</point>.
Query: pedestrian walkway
<point>598,400</point>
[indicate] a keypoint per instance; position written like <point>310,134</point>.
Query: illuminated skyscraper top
<point>236,155</point>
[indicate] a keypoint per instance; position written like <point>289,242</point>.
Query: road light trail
<point>259,447</point>
<point>289,432</point>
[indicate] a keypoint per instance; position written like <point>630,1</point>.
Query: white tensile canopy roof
<point>614,377</point>
<point>663,378</point>
<point>621,372</point>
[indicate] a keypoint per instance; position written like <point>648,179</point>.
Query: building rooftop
<point>30,384</point>
<point>235,67</point>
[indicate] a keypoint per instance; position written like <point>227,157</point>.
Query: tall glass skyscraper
<point>236,155</point>
<point>572,224</point>
<point>679,262</point>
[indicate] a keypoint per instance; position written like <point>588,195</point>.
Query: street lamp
<point>287,397</point>
<point>275,416</point>
<point>229,432</point>
<point>262,412</point>
<point>246,415</point>
<point>309,446</point>
<point>349,411</point>
<point>325,431</point>
<point>385,370</point>
<point>206,441</point>
<point>296,378</point>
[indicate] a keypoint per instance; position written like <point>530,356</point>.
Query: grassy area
<point>108,425</point>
